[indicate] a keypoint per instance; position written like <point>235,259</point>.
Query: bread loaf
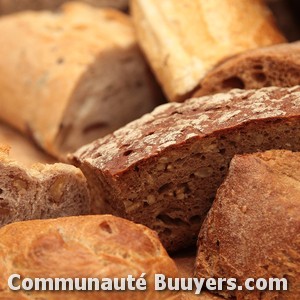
<point>163,170</point>
<point>21,148</point>
<point>40,192</point>
<point>99,247</point>
<point>253,227</point>
<point>184,39</point>
<point>72,76</point>
<point>277,65</point>
<point>12,6</point>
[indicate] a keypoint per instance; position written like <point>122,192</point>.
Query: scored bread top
<point>101,246</point>
<point>171,124</point>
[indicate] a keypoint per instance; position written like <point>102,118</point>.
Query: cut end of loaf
<point>43,191</point>
<point>164,169</point>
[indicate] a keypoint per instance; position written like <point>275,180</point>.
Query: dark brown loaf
<point>163,170</point>
<point>277,65</point>
<point>40,192</point>
<point>84,247</point>
<point>253,228</point>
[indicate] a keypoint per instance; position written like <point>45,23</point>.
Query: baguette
<point>72,76</point>
<point>13,6</point>
<point>164,169</point>
<point>99,247</point>
<point>277,65</point>
<point>184,39</point>
<point>40,192</point>
<point>252,230</point>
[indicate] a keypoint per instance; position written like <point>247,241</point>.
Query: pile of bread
<point>100,177</point>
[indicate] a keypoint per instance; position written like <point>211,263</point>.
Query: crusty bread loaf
<point>184,39</point>
<point>12,6</point>
<point>22,149</point>
<point>72,76</point>
<point>163,170</point>
<point>43,191</point>
<point>277,65</point>
<point>99,247</point>
<point>252,230</point>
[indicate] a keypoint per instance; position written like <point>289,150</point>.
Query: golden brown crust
<point>12,6</point>
<point>252,230</point>
<point>277,65</point>
<point>100,246</point>
<point>184,39</point>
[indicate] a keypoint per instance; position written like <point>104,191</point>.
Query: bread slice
<point>22,149</point>
<point>277,65</point>
<point>99,247</point>
<point>40,192</point>
<point>89,79</point>
<point>252,230</point>
<point>12,6</point>
<point>184,39</point>
<point>163,170</point>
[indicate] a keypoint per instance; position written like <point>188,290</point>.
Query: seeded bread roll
<point>253,227</point>
<point>22,149</point>
<point>40,192</point>
<point>84,247</point>
<point>164,169</point>
<point>184,39</point>
<point>72,76</point>
<point>12,6</point>
<point>271,66</point>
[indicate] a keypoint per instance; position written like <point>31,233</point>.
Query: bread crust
<point>100,247</point>
<point>183,40</point>
<point>163,170</point>
<point>13,6</point>
<point>277,65</point>
<point>77,74</point>
<point>40,191</point>
<point>252,229</point>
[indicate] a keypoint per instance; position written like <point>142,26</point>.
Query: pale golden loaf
<point>84,247</point>
<point>41,191</point>
<point>253,227</point>
<point>12,6</point>
<point>72,76</point>
<point>184,39</point>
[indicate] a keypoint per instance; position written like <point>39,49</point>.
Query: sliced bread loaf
<point>163,170</point>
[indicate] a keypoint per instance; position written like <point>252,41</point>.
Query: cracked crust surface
<point>252,229</point>
<point>99,247</point>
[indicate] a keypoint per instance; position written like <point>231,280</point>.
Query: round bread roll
<point>82,247</point>
<point>253,227</point>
